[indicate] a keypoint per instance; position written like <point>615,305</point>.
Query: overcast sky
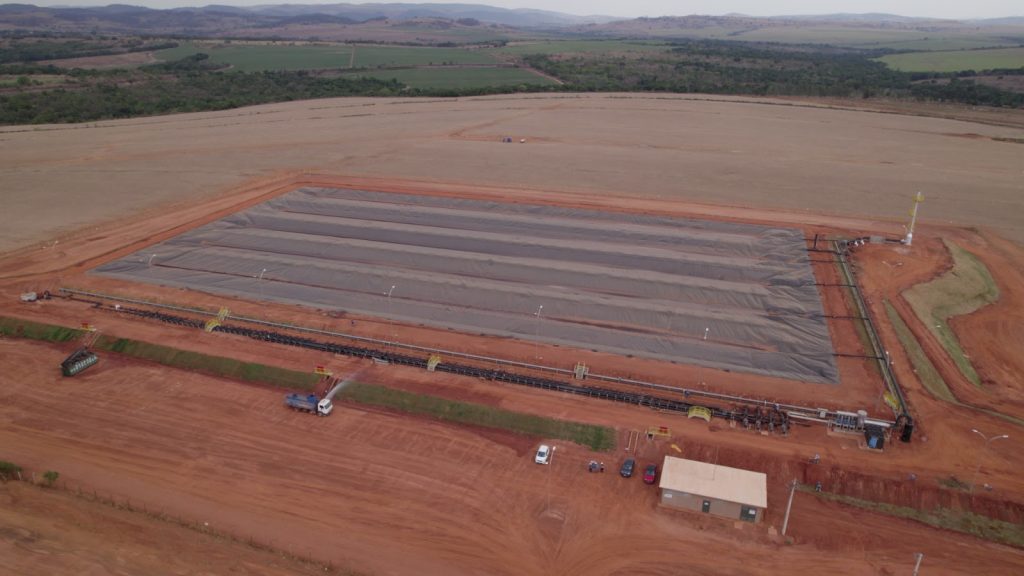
<point>960,9</point>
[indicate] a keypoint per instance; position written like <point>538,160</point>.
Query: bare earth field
<point>392,494</point>
<point>385,493</point>
<point>51,532</point>
<point>105,61</point>
<point>674,147</point>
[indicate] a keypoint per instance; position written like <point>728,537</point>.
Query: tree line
<point>194,84</point>
<point>36,49</point>
<point>723,67</point>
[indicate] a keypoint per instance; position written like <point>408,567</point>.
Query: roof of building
<point>713,481</point>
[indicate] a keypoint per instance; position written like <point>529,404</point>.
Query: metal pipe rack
<point>381,353</point>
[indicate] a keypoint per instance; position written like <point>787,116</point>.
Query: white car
<point>543,455</point>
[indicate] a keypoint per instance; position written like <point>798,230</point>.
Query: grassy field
<point>254,57</point>
<point>868,38</point>
<point>594,437</point>
<point>458,77</point>
<point>384,56</point>
<point>213,365</point>
<point>930,377</point>
<point>831,35</point>
<point>257,57</point>
<point>183,50</point>
<point>956,60</point>
<point>956,520</point>
<point>35,331</point>
<point>414,32</point>
<point>574,46</point>
<point>939,41</point>
<point>962,290</point>
<point>926,371</point>
<point>836,35</point>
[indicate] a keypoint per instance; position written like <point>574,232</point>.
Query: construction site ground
<point>387,493</point>
<point>54,531</point>
<point>50,269</point>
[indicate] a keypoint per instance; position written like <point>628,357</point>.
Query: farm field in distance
<point>130,77</point>
<point>956,60</point>
<point>576,46</point>
<point>841,36</point>
<point>934,54</point>
<point>386,56</point>
<point>259,57</point>
<point>832,35</point>
<point>457,77</point>
<point>943,42</point>
<point>254,57</point>
<point>868,38</point>
<point>418,67</point>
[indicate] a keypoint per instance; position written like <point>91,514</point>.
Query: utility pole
<point>789,505</point>
<point>700,367</point>
<point>390,334</point>
<point>909,239</point>
<point>917,566</point>
<point>536,335</point>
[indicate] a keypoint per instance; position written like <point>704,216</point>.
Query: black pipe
<point>653,402</point>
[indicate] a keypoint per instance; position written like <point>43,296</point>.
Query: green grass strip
<point>924,368</point>
<point>37,331</point>
<point>959,521</point>
<point>600,438</point>
<point>926,371</point>
<point>213,365</point>
<point>962,290</point>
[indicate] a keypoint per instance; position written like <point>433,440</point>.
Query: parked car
<point>650,473</point>
<point>543,455</point>
<point>627,468</point>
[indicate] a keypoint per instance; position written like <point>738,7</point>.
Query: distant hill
<point>1010,21</point>
<point>215,20</point>
<point>867,18</point>
<point>522,17</point>
<point>446,23</point>
<point>737,25</point>
<point>123,19</point>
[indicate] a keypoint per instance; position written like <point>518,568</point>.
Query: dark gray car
<point>627,468</point>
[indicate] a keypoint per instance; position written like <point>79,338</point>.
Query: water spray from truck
<point>320,406</point>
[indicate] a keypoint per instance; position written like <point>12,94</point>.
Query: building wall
<point>694,502</point>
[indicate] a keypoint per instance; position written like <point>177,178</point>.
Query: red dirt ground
<point>391,494</point>
<point>54,532</point>
<point>992,337</point>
